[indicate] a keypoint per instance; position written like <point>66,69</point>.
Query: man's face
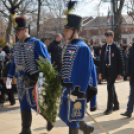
<point>109,39</point>
<point>20,33</point>
<point>0,49</point>
<point>58,39</point>
<point>68,33</point>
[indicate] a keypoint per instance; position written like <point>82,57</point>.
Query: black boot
<point>26,118</point>
<point>87,129</point>
<point>92,109</point>
<point>127,114</point>
<point>73,131</point>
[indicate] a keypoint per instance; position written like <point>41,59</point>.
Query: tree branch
<point>121,5</point>
<point>20,3</point>
<point>4,14</point>
<point>4,2</point>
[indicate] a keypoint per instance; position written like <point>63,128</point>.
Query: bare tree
<point>7,4</point>
<point>117,9</point>
<point>130,8</point>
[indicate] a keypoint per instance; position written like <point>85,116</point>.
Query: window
<point>124,40</point>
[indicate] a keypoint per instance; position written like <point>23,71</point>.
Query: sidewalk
<point>10,120</point>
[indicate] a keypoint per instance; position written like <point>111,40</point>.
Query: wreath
<point>50,91</point>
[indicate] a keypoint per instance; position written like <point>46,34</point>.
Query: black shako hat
<point>20,22</point>
<point>73,21</point>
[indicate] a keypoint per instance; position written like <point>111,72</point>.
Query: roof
<point>102,22</point>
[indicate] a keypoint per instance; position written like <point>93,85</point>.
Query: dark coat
<point>130,71</point>
<point>6,69</point>
<point>7,49</point>
<point>116,61</point>
<point>56,52</point>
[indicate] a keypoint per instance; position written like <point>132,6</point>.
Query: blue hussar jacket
<point>77,68</point>
<point>25,56</point>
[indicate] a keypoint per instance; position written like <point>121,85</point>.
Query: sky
<point>90,8</point>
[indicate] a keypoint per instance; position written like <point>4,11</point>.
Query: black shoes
<point>127,114</point>
<point>13,103</point>
<point>115,108</point>
<point>93,109</point>
<point>87,129</point>
<point>73,131</point>
<point>108,111</point>
<point>26,118</point>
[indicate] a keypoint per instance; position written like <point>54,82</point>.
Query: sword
<point>96,123</point>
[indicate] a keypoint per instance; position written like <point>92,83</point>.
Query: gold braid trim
<point>14,21</point>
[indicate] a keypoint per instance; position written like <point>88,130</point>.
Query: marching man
<point>77,68</point>
<point>26,51</point>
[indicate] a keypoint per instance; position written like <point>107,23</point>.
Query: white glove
<point>40,79</point>
<point>8,83</point>
<point>41,74</point>
<point>73,98</point>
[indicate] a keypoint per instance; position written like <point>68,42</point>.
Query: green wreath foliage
<point>50,93</point>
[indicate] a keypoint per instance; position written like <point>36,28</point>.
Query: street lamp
<point>112,13</point>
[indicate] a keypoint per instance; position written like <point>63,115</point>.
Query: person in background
<point>124,60</point>
<point>111,69</point>
<point>9,92</point>
<point>93,101</point>
<point>7,48</point>
<point>2,60</point>
<point>8,58</point>
<point>128,47</point>
<point>130,74</point>
<point>55,49</point>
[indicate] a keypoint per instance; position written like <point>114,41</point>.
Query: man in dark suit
<point>55,49</point>
<point>111,69</point>
<point>130,73</point>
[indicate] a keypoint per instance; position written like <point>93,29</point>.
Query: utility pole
<point>112,15</point>
<point>112,12</point>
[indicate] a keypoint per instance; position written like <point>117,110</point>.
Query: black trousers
<point>112,96</point>
<point>58,66</point>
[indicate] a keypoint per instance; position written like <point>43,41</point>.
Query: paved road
<point>10,121</point>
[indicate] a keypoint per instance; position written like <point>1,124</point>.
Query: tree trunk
<point>9,31</point>
<point>38,19</point>
<point>117,20</point>
<point>117,27</point>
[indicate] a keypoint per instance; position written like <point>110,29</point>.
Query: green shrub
<point>2,42</point>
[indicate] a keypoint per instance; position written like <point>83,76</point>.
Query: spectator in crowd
<point>9,92</point>
<point>8,58</point>
<point>3,89</point>
<point>55,49</point>
<point>7,48</point>
<point>124,60</point>
<point>96,59</point>
<point>130,73</point>
<point>128,47</point>
<point>2,59</point>
<point>2,92</point>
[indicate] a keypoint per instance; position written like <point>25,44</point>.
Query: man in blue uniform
<point>25,53</point>
<point>77,68</point>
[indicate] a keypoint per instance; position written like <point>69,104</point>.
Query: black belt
<point>108,66</point>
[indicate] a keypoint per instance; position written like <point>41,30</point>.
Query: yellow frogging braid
<point>13,16</point>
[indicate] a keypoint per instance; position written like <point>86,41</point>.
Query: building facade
<point>96,28</point>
